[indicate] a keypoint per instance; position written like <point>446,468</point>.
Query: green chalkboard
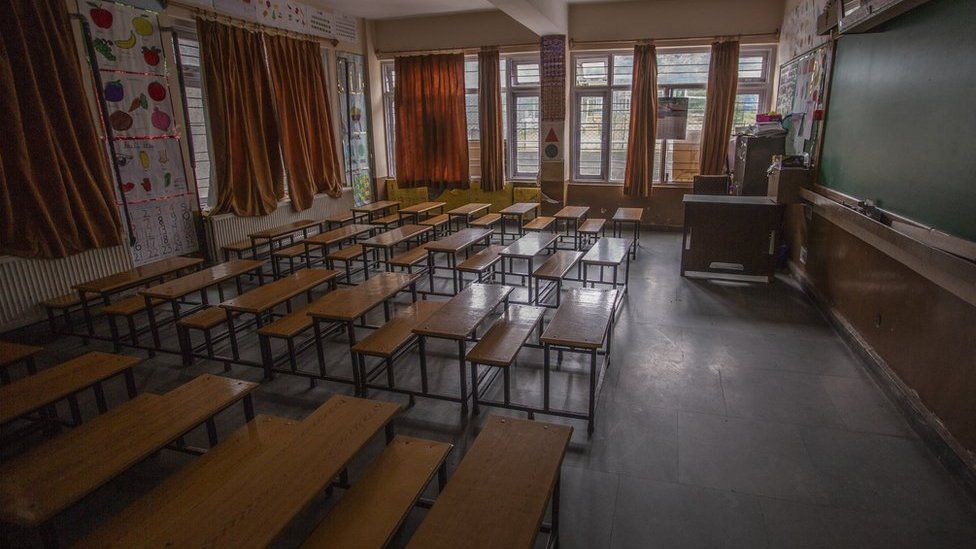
<point>901,120</point>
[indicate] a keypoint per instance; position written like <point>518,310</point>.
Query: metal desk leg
<point>592,407</point>
<point>463,375</point>
<point>151,313</point>
<point>545,377</point>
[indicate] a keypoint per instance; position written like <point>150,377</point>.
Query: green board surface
<point>901,121</point>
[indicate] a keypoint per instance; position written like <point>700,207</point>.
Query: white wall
<point>467,30</point>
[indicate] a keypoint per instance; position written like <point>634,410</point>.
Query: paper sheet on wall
<point>241,9</point>
<point>162,228</point>
<point>138,105</point>
<point>124,38</point>
<point>283,14</point>
<point>151,169</point>
<point>345,28</point>
<point>320,23</point>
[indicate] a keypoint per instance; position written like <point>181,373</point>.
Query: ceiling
<point>387,9</point>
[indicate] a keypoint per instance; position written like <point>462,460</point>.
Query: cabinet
<point>753,155</point>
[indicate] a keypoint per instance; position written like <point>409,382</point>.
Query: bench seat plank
<point>462,313</point>
<point>336,236</point>
<point>289,325</point>
<point>501,344</point>
<point>286,229</point>
<point>42,482</point>
<point>375,206</point>
<point>486,220</point>
<point>11,353</point>
<point>257,500</point>
<point>205,319</point>
<point>262,298</point>
<point>58,382</point>
<point>347,253</point>
<point>557,265</point>
<point>129,306</point>
<point>258,436</point>
<point>607,251</point>
<point>520,208</point>
<point>572,212</point>
<point>390,337</point>
<point>435,221</point>
<point>498,495</point>
<point>387,220</point>
<point>632,215</point>
<point>372,511</point>
<point>410,257</point>
<point>540,223</point>
<point>470,208</point>
<point>295,250</point>
<point>592,226</point>
<point>582,319</point>
<point>481,260</point>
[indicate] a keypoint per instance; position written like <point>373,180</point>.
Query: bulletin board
<point>801,99</point>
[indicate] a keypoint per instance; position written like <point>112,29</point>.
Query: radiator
<point>24,283</point>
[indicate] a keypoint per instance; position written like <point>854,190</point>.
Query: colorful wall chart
<point>151,169</point>
<point>138,104</point>
<point>284,14</point>
<point>124,38</point>
<point>162,229</point>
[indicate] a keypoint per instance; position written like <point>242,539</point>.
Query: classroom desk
<point>632,217</point>
<point>175,290</point>
<point>373,208</point>
<point>275,234</point>
<point>517,211</point>
<point>608,252</point>
<point>463,214</point>
<point>576,214</point>
<point>459,318</point>
<point>526,248</point>
<point>349,304</point>
<point>12,353</point>
<point>730,237</point>
<point>424,208</point>
<point>264,298</point>
<point>453,245</point>
<point>392,238</point>
<point>337,236</point>
<point>120,282</point>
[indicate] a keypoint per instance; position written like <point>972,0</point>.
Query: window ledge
<point>671,185</point>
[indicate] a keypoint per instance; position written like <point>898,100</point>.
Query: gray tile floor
<point>732,416</point>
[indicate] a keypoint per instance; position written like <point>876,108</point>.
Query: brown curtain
<point>723,78</point>
<point>56,190</point>
<point>431,129</point>
<point>639,172</point>
<point>490,120</point>
<point>302,103</point>
<point>243,131</point>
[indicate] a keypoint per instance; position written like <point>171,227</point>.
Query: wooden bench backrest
<point>499,493</point>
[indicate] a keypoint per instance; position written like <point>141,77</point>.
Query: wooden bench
<point>127,308</point>
<point>480,264</point>
<point>290,253</point>
<point>13,353</point>
<point>286,328</point>
<point>335,221</point>
<point>541,223</point>
<point>486,221</point>
<point>204,320</point>
<point>222,505</point>
<point>608,252</point>
<point>64,381</point>
<point>554,270</point>
<point>63,305</point>
<point>632,217</point>
<point>393,338</point>
<point>464,213</point>
<point>387,221</point>
<point>501,344</point>
<point>437,222</point>
<point>498,495</point>
<point>591,229</point>
<point>37,485</point>
<point>370,514</point>
<point>346,256</point>
<point>241,249</point>
<point>410,258</point>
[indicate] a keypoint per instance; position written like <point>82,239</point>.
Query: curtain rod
<point>251,26</point>
<point>754,38</point>
<point>509,48</point>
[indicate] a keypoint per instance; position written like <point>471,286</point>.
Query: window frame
<point>515,89</point>
<point>606,91</point>
<point>189,33</point>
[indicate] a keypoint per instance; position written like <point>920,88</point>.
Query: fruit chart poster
<point>127,53</point>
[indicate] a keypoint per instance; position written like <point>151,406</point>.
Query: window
<point>196,112</point>
<point>601,109</point>
<point>389,114</point>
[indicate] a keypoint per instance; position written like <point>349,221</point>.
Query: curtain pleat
<point>56,190</point>
<point>307,133</point>
<point>490,120</point>
<point>243,130</point>
<point>723,78</point>
<point>431,128</point>
<point>639,170</point>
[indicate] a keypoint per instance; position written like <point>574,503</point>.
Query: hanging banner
<point>124,38</point>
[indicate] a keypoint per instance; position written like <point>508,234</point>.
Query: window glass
<point>526,135</point>
<point>682,68</point>
<point>619,133</point>
<point>623,69</point>
<point>592,71</point>
<point>590,136</point>
<point>526,73</point>
<point>196,113</point>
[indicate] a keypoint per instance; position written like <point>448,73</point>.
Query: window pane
<point>592,71</point>
<point>471,73</point>
<point>197,116</point>
<point>526,73</point>
<point>471,110</point>
<point>623,70</point>
<point>681,163</point>
<point>746,108</point>
<point>682,68</point>
<point>751,67</point>
<point>526,135</point>
<point>590,136</point>
<point>619,133</point>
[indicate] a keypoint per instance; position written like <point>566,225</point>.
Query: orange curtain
<point>723,78</point>
<point>431,128</point>
<point>56,190</point>
<point>243,131</point>
<point>639,171</point>
<point>302,103</point>
<point>490,120</point>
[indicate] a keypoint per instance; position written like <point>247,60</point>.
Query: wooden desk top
<point>520,208</point>
<point>582,319</point>
<point>731,200</point>
<point>608,251</point>
<point>375,206</point>
<point>572,212</point>
<point>469,209</point>
<point>529,245</point>
<point>15,352</point>
<point>137,276</point>
<point>628,214</point>
<point>201,279</point>
<point>53,384</point>
<point>40,483</point>
<point>348,304</point>
<point>463,312</point>
<point>422,207</point>
<point>335,236</point>
<point>286,229</point>
<point>395,236</point>
<point>502,342</point>
<point>499,493</point>
<point>459,241</point>
<point>262,298</point>
<point>219,505</point>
